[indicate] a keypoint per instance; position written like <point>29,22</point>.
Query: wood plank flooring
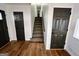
<point>29,48</point>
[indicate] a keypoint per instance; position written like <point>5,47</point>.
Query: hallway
<point>39,29</point>
<point>30,48</point>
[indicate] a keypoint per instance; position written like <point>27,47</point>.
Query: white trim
<point>69,50</point>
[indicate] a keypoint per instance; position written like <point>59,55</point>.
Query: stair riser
<point>37,32</point>
<point>37,36</point>
<point>37,29</point>
<point>38,21</point>
<point>38,24</point>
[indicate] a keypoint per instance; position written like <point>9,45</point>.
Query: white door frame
<point>63,6</point>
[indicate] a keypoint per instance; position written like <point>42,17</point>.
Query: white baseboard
<point>70,51</point>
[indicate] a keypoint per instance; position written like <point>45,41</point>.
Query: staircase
<point>38,33</point>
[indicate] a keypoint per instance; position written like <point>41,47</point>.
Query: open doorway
<point>61,18</point>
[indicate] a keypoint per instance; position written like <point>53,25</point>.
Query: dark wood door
<point>4,37</point>
<point>19,25</point>
<point>60,27</point>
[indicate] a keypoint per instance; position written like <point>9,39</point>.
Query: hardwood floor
<point>29,48</point>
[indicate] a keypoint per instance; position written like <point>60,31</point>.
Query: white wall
<point>41,10</point>
<point>45,15</point>
<point>26,9</point>
<point>35,10</point>
<point>72,44</point>
<point>33,15</point>
<point>2,7</point>
<point>49,27</point>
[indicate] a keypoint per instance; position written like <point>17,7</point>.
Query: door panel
<point>4,37</point>
<point>60,27</point>
<point>19,25</point>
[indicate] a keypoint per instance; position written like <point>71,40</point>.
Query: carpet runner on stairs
<point>38,32</point>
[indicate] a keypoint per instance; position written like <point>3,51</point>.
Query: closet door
<point>4,37</point>
<point>60,27</point>
<point>19,25</point>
